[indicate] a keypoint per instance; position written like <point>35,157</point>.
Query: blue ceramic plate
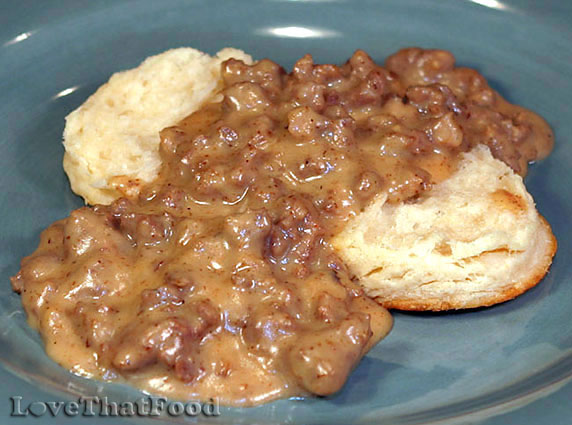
<point>458,368</point>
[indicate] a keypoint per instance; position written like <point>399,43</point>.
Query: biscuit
<point>111,141</point>
<point>475,239</point>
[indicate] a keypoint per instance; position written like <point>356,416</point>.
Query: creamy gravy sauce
<point>217,279</point>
